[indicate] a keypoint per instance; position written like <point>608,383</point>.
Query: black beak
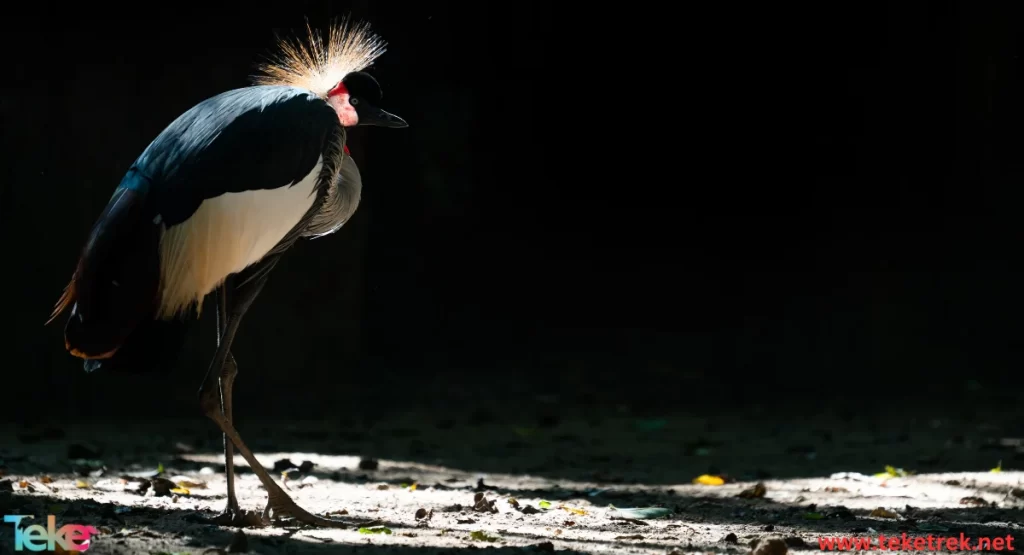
<point>372,115</point>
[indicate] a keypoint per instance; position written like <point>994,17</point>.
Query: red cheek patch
<point>347,153</point>
<point>340,89</point>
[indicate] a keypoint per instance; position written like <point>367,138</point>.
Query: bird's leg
<point>232,515</point>
<point>278,502</point>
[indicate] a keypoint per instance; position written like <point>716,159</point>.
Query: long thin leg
<point>227,380</point>
<point>277,500</point>
<point>232,513</point>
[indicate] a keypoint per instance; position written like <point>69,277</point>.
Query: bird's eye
<point>354,101</point>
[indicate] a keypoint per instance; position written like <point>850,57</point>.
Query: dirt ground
<point>557,480</point>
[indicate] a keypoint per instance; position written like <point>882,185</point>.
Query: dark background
<point>653,206</point>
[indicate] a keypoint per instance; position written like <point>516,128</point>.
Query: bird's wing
<point>246,139</point>
<point>254,138</point>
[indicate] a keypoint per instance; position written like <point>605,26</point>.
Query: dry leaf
<point>973,501</point>
<point>186,482</point>
<point>572,510</point>
<point>883,513</point>
<point>46,480</point>
<point>755,492</point>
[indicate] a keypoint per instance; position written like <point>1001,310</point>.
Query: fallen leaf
<point>375,530</point>
<point>883,513</point>
<point>641,512</point>
<point>572,510</point>
<point>893,472</point>
<point>755,492</point>
<point>973,501</point>
<point>482,536</point>
<point>81,484</point>
<point>180,491</point>
<point>186,482</point>
<point>46,480</point>
<point>813,516</point>
<point>708,480</point>
<point>544,504</point>
<point>998,468</point>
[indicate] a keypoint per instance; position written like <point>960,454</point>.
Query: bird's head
<point>356,98</point>
<point>333,69</point>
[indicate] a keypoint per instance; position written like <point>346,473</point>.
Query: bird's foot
<point>238,518</point>
<point>285,506</point>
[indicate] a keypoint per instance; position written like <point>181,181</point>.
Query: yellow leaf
<point>180,491</point>
<point>892,472</point>
<point>81,484</point>
<point>413,487</point>
<point>998,468</point>
<point>572,510</point>
<point>708,480</point>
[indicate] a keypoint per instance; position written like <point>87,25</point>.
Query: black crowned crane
<point>209,207</point>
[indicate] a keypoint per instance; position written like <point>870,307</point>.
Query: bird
<point>209,208</point>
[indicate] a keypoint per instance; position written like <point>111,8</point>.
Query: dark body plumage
<point>159,245</point>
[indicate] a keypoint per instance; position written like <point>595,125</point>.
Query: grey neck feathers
<point>341,202</point>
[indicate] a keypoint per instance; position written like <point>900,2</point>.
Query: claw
<point>238,518</point>
<point>277,508</point>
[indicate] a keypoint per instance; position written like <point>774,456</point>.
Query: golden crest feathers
<point>318,66</point>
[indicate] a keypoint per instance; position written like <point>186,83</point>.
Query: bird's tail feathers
<point>66,299</point>
<point>116,283</point>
